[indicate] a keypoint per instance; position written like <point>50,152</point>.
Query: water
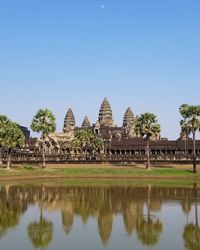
<point>94,217</point>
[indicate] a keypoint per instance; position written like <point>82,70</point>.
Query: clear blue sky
<point>72,53</point>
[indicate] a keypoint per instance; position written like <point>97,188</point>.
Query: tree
<point>148,127</point>
<point>11,138</point>
<point>84,137</point>
<point>191,124</point>
<point>97,145</point>
<point>3,121</point>
<point>86,140</point>
<point>45,122</point>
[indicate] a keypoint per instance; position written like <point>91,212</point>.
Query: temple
<point>120,143</point>
<point>69,122</point>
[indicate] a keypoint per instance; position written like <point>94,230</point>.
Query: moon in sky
<point>102,6</point>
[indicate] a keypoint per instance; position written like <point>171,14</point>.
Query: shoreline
<point>30,178</point>
<point>95,172</point>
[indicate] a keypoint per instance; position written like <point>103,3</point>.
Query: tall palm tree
<point>191,124</point>
<point>148,127</point>
<point>45,122</point>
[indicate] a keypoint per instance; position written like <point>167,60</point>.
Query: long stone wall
<point>62,158</point>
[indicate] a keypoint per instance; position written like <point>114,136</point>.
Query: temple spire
<point>86,123</point>
<point>69,122</point>
<point>129,119</point>
<point>105,114</point>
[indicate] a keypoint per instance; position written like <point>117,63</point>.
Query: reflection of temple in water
<point>135,204</point>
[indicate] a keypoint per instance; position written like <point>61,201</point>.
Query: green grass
<point>128,172</point>
<point>98,171</point>
<point>98,175</point>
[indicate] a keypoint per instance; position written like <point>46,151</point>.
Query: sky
<point>58,54</point>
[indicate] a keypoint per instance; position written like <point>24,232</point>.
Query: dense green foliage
<point>85,140</point>
<point>11,137</point>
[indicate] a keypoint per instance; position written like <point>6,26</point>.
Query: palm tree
<point>191,124</point>
<point>3,121</point>
<point>11,137</point>
<point>148,127</point>
<point>44,122</point>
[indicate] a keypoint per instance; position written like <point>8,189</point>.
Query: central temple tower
<point>69,122</point>
<point>105,114</point>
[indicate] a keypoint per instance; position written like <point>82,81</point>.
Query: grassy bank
<point>98,171</point>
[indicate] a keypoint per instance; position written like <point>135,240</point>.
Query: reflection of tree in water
<point>9,218</point>
<point>149,231</point>
<point>191,234</point>
<point>150,228</point>
<point>191,237</point>
<point>10,211</point>
<point>41,232</point>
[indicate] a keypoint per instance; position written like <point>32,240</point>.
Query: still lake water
<point>93,217</point>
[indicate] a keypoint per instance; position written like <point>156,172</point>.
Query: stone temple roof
<point>105,114</point>
<point>86,123</point>
<point>129,119</point>
<point>69,122</point>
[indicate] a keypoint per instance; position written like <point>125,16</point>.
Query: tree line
<point>44,122</point>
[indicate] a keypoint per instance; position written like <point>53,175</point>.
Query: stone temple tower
<point>69,122</point>
<point>129,119</point>
<point>129,122</point>
<point>105,114</point>
<point>86,123</point>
